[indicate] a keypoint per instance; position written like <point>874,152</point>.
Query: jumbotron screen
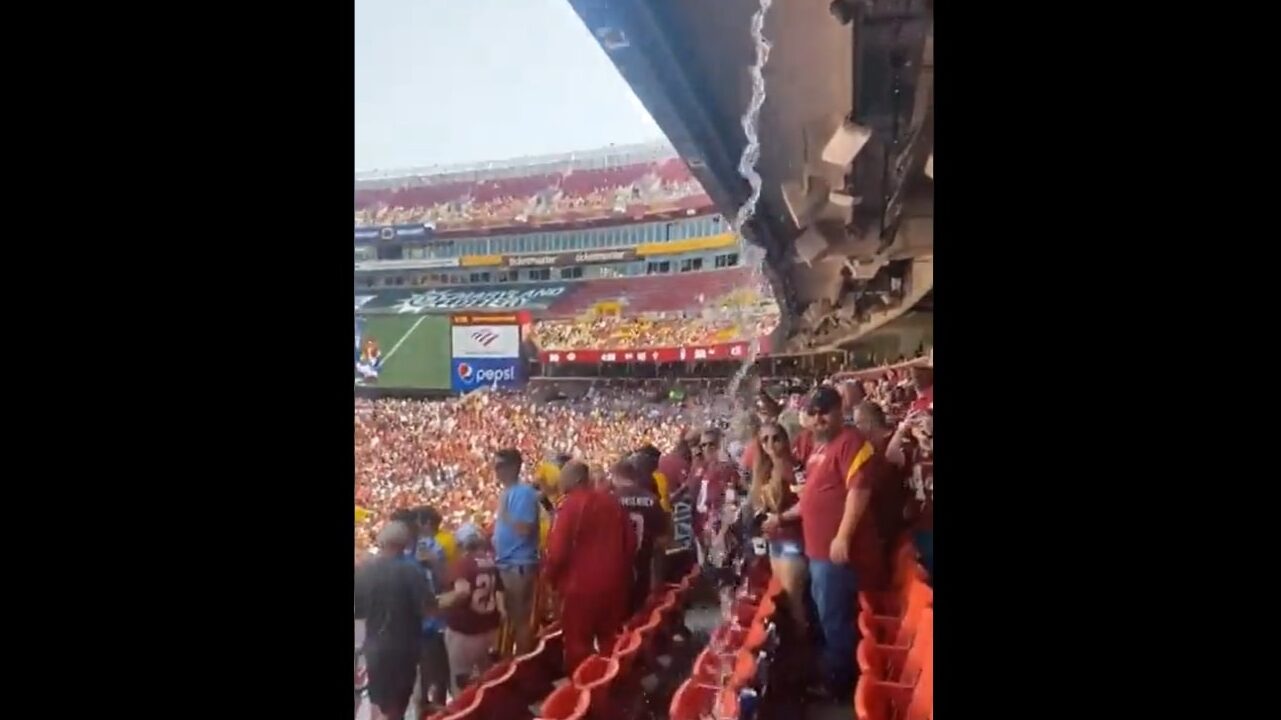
<point>403,351</point>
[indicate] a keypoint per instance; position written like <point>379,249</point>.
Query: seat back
<point>708,668</point>
<point>899,664</point>
<point>756,636</point>
<point>921,655</point>
<point>566,703</point>
<point>727,704</point>
<point>467,706</point>
<point>503,695</point>
<point>597,675</point>
<point>536,671</point>
<point>921,706</point>
<point>651,643</point>
<point>877,700</point>
<point>728,638</point>
<point>744,670</point>
<point>692,701</point>
<point>919,598</point>
<point>626,651</point>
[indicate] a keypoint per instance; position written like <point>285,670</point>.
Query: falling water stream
<point>753,256</point>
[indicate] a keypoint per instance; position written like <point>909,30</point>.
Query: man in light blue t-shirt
<point>516,546</point>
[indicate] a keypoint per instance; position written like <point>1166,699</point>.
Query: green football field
<point>415,350</point>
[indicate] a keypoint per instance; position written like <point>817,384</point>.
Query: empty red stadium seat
<point>626,651</point>
<point>726,707</point>
<point>876,700</point>
<point>566,703</point>
<point>890,630</point>
<point>755,637</point>
<point>898,664</point>
<point>744,612</point>
<point>710,668</point>
<point>728,638</point>
<point>503,696</point>
<point>597,675</point>
<point>744,669</point>
<point>906,570</point>
<point>692,701</point>
<point>467,706</point>
<point>536,671</point>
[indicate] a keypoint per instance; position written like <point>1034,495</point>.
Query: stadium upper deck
<point>624,184</point>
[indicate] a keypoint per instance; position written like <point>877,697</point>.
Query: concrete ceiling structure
<point>868,63</point>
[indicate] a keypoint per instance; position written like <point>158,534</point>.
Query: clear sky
<point>451,81</point>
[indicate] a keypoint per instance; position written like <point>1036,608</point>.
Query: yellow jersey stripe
<point>864,454</point>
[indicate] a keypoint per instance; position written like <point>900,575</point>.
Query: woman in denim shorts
<point>773,493</point>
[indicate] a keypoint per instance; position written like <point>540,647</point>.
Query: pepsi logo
<point>484,337</point>
<point>464,371</point>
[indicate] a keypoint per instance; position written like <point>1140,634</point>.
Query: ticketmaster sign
<point>592,257</point>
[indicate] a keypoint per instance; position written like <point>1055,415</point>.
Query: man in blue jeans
<point>840,536</point>
<point>516,546</point>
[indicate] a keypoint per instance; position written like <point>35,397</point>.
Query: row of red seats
<point>729,663</point>
<point>603,687</point>
<point>608,687</point>
<point>896,651</point>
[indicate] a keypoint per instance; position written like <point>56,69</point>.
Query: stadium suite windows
<point>569,240</point>
<point>667,265</point>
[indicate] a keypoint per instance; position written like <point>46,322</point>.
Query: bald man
<point>589,564</point>
<point>852,396</point>
<point>392,596</point>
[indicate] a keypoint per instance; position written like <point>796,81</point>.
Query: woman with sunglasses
<point>771,492</point>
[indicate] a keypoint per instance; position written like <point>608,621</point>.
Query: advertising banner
<point>590,257</point>
<point>475,373</point>
<point>486,341</point>
<point>394,232</point>
<point>409,264</point>
<point>717,351</point>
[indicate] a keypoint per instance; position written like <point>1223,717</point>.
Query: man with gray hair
<point>391,596</point>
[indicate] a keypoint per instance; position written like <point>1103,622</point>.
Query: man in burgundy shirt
<point>473,607</point>
<point>711,478</point>
<point>590,552</point>
<point>840,534</point>
<point>923,382</point>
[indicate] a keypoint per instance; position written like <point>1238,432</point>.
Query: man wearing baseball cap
<point>473,607</point>
<point>841,539</point>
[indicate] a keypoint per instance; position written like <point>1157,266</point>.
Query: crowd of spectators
<point>619,332</point>
<point>547,204</point>
<point>411,453</point>
<point>826,477</point>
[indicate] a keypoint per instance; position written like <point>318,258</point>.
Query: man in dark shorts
<point>650,523</point>
<point>391,595</point>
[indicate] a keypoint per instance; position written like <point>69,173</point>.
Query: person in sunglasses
<point>714,475</point>
<point>771,493</point>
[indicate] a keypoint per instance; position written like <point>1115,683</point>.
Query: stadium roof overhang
<point>688,63</point>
